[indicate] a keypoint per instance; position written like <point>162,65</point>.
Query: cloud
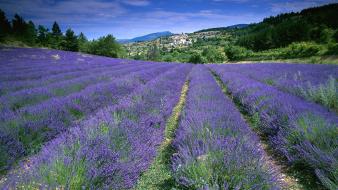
<point>295,6</point>
<point>64,11</point>
<point>232,1</point>
<point>137,2</point>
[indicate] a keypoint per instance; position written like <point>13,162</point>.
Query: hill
<point>311,33</point>
<point>237,26</point>
<point>147,37</point>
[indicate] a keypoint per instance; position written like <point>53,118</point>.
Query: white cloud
<point>137,2</point>
<point>295,6</point>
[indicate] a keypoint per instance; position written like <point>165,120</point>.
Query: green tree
<point>153,53</point>
<point>19,25</point>
<point>56,36</point>
<point>83,42</point>
<point>196,58</point>
<point>70,41</point>
<point>213,55</point>
<point>30,34</point>
<point>106,46</point>
<point>23,31</point>
<point>335,36</point>
<point>5,26</point>
<point>43,35</point>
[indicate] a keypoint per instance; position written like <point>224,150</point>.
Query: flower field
<point>77,121</point>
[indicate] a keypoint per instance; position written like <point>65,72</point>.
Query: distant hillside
<point>318,24</point>
<point>312,32</point>
<point>147,37</point>
<point>237,26</point>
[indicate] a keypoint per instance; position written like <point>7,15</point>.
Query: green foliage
<point>43,36</point>
<point>153,53</point>
<point>70,41</point>
<point>302,49</point>
<point>332,49</point>
<point>325,94</point>
<point>323,139</point>
<point>22,33</point>
<point>235,52</point>
<point>83,43</point>
<point>5,26</point>
<point>196,58</point>
<point>106,46</point>
<point>315,24</point>
<point>213,55</point>
<point>68,175</point>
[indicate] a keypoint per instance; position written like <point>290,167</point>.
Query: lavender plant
<point>112,148</point>
<point>215,147</point>
<point>303,132</point>
<point>316,83</point>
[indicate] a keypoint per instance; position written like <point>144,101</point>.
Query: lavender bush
<point>316,83</point>
<point>215,147</point>
<point>112,148</point>
<point>303,132</point>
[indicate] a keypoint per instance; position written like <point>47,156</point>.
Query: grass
<point>158,176</point>
<point>312,60</point>
<point>325,94</point>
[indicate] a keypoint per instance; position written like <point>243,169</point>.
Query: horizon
<point>133,18</point>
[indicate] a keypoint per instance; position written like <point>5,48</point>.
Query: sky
<point>131,18</point>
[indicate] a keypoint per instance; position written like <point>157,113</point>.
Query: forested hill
<point>313,24</point>
<point>310,35</point>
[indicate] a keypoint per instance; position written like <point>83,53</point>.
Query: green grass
<point>311,60</point>
<point>158,176</point>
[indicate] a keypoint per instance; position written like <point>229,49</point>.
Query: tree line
<point>318,24</point>
<point>19,30</point>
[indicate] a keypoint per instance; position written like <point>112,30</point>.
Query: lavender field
<point>78,121</point>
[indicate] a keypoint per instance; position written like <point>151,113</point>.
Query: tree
<point>30,33</point>
<point>213,55</point>
<point>19,25</point>
<point>5,26</point>
<point>56,36</point>
<point>153,53</point>
<point>42,36</point>
<point>56,31</point>
<point>335,36</point>
<point>196,58</point>
<point>106,46</point>
<point>83,43</point>
<point>70,41</point>
<point>23,31</point>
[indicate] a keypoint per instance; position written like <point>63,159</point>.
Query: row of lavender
<point>112,148</point>
<point>36,71</point>
<point>24,132</point>
<point>302,132</point>
<point>32,116</point>
<point>317,83</point>
<point>16,100</point>
<point>215,147</point>
<point>24,64</point>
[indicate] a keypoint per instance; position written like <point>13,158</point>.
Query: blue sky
<point>131,18</point>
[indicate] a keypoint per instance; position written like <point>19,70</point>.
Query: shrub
<point>325,94</point>
<point>196,58</point>
<point>302,49</point>
<point>236,52</point>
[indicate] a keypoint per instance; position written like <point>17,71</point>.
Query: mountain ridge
<point>147,37</point>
